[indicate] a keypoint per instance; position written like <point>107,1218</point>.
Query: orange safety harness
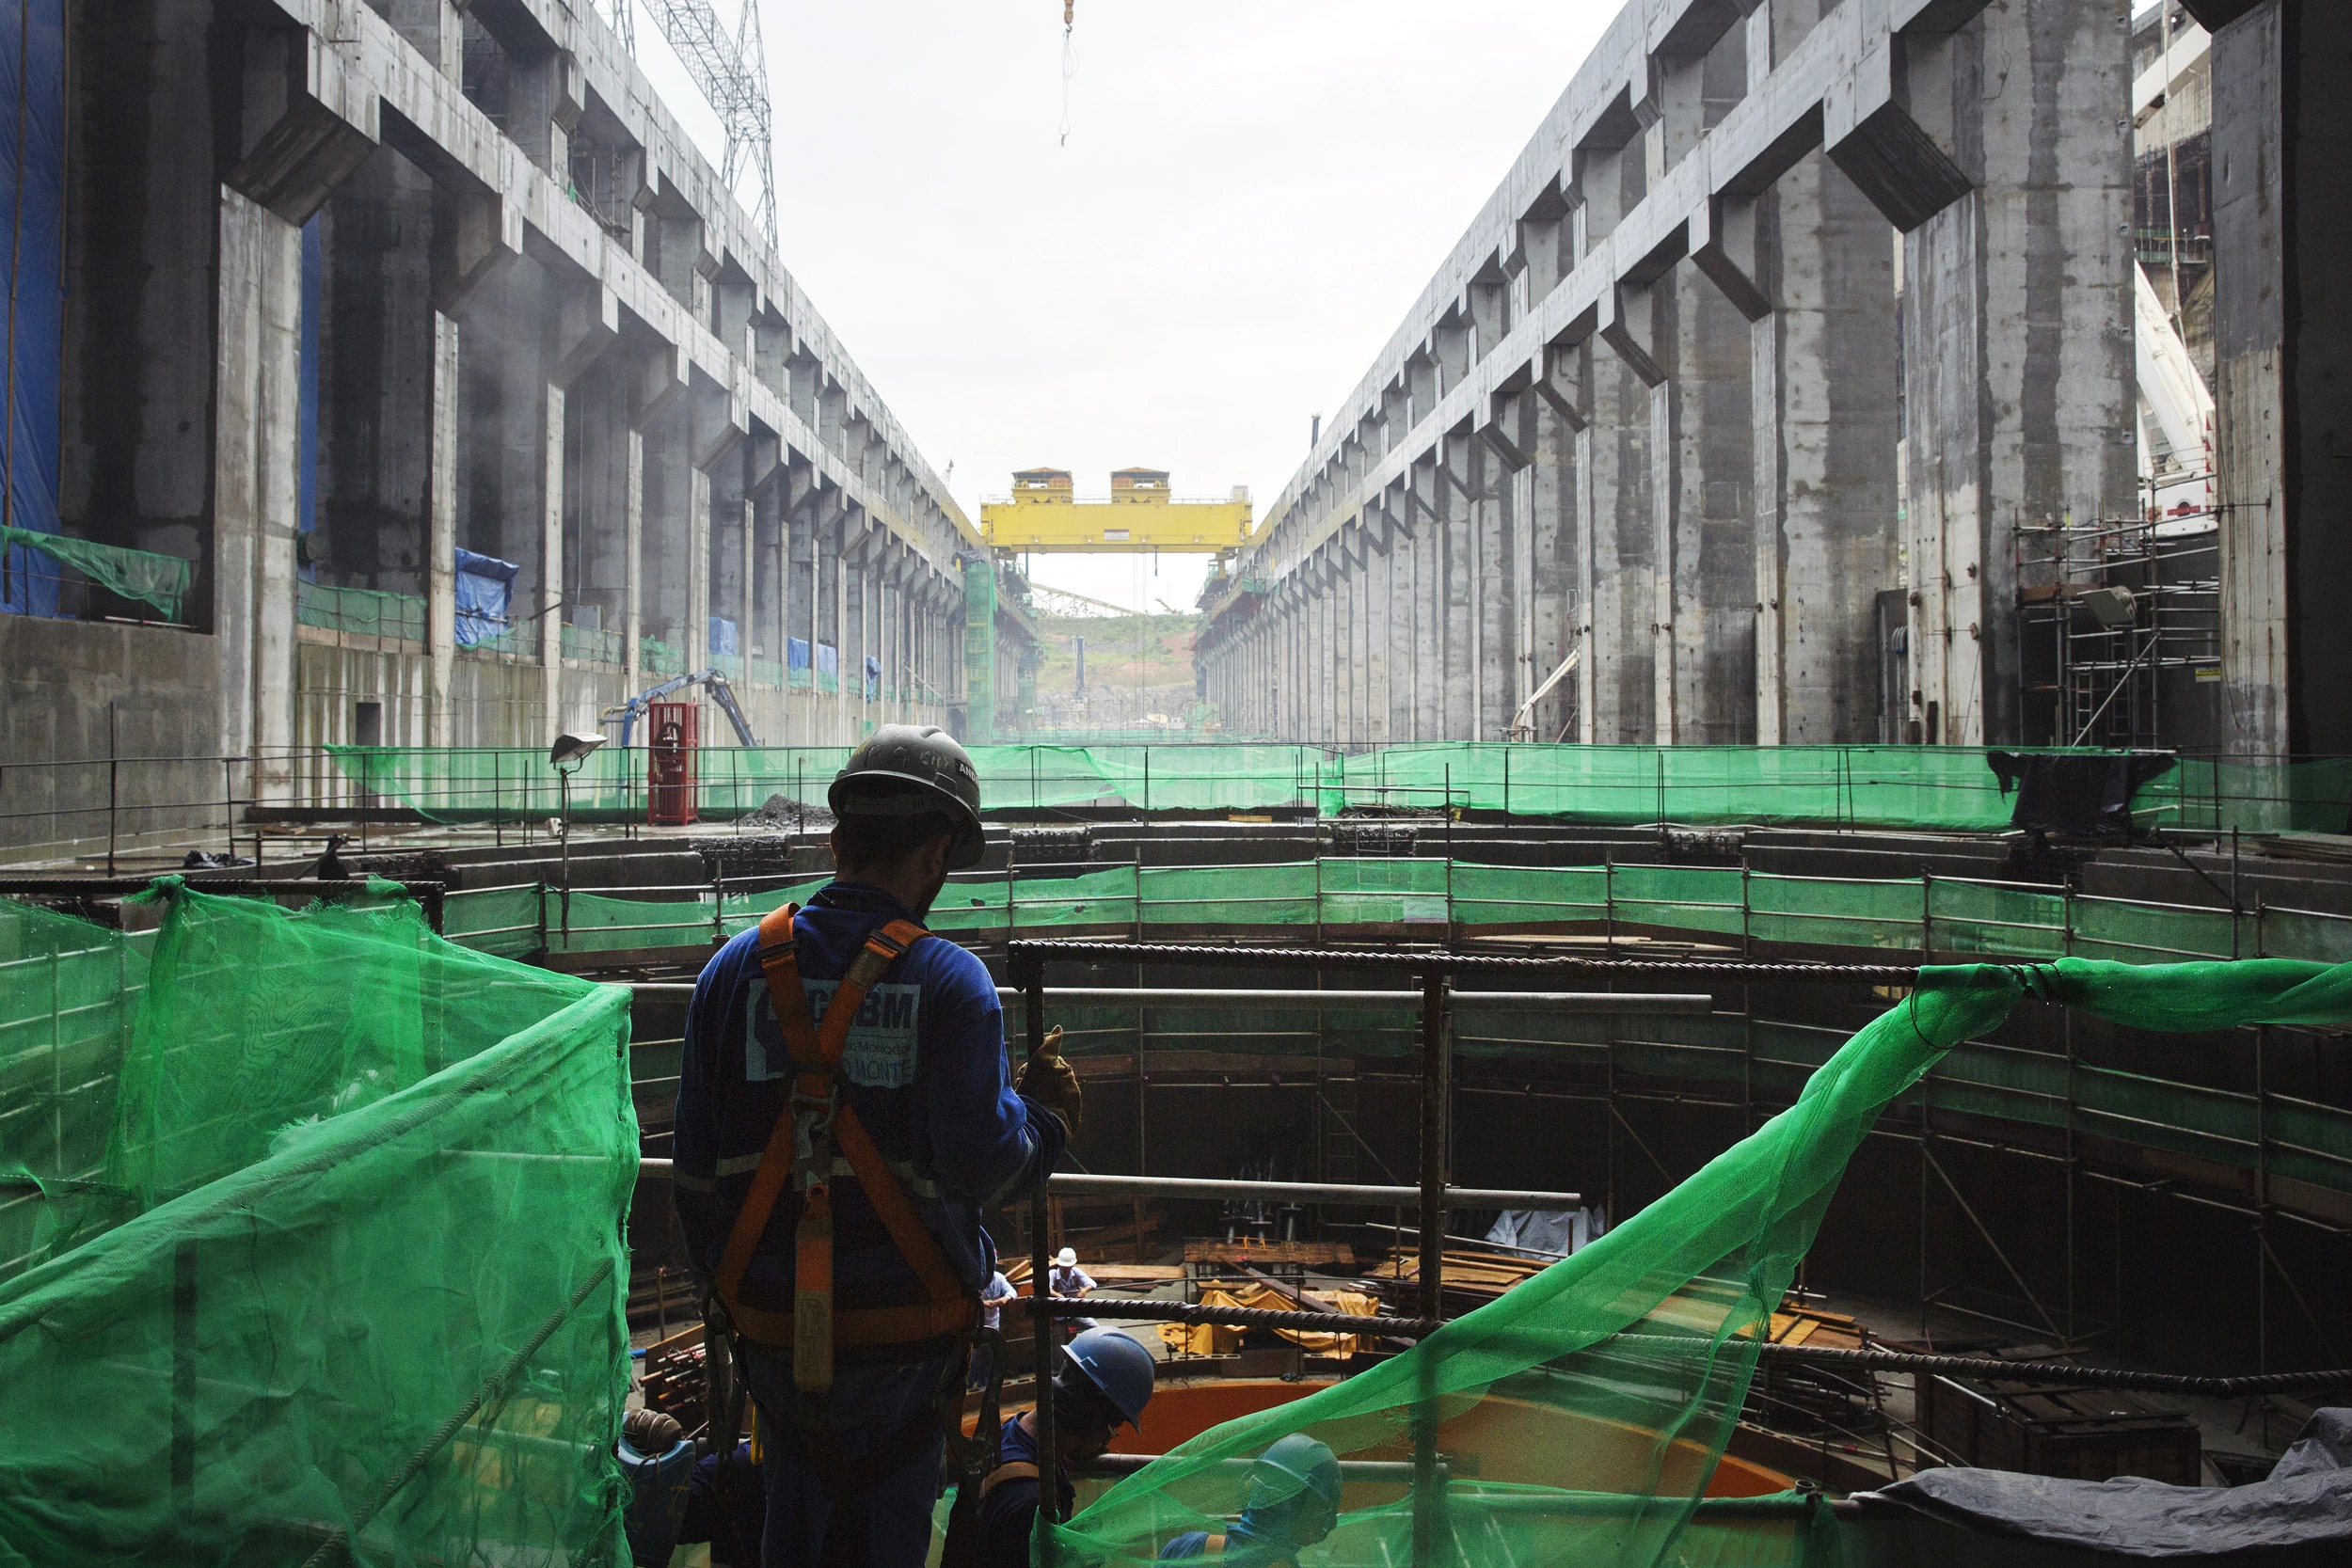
<point>801,1150</point>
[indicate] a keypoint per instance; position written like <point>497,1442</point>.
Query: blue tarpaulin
<point>873,677</point>
<point>722,637</point>
<point>796,653</point>
<point>32,204</point>
<point>484,585</point>
<point>827,659</point>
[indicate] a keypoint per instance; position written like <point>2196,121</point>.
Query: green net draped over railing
<point>360,612</point>
<point>346,1281</point>
<point>1943,788</point>
<point>159,581</point>
<point>1724,1052</point>
<point>593,644</point>
<point>69,992</point>
<point>1581,1418</point>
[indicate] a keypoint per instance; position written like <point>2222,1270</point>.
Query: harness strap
<point>1018,1469</point>
<point>813,1327</point>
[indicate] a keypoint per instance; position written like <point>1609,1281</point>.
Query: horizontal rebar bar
<point>1352,1195</point>
<point>1551,1001</point>
<point>1875,1360</point>
<point>1437,961</point>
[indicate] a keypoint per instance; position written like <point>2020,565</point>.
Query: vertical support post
<point>1433,1107</point>
<point>113,794</point>
<point>1427,1484</point>
<point>184,1389</point>
<point>1032,981</point>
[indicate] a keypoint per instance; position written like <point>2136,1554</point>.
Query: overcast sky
<point>1251,195</point>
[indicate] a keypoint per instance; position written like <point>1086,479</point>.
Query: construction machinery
<point>628,713</point>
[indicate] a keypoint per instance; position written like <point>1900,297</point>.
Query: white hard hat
<point>1066,1259</point>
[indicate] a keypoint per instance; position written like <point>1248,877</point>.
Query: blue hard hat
<point>1120,1369</point>
<point>1296,1463</point>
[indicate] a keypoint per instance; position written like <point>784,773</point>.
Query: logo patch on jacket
<point>878,1054</point>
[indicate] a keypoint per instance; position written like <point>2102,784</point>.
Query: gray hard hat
<point>913,770</point>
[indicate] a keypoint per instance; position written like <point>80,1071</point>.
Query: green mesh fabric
<point>160,580</point>
<point>69,992</point>
<point>1945,788</point>
<point>350,1267</point>
<point>1583,1415</point>
<point>360,612</point>
<point>594,645</point>
<point>657,658</point>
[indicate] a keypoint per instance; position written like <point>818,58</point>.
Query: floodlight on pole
<point>567,757</point>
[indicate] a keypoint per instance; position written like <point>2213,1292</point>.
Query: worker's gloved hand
<point>1049,1080</point>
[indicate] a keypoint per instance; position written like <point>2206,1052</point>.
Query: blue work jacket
<point>924,1069</point>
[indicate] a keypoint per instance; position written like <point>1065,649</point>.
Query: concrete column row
<point>1902,332</point>
<point>553,403</point>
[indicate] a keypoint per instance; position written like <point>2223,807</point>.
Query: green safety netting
<point>1582,1416</point>
<point>1947,788</point>
<point>360,612</point>
<point>593,644</point>
<point>1723,1049</point>
<point>160,580</point>
<point>69,992</point>
<point>343,1279</point>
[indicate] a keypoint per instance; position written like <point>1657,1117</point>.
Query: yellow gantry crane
<point>1044,515</point>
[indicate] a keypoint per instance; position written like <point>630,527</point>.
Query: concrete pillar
<point>1493,678</point>
<point>440,575</point>
<point>550,596</point>
<point>255,495</point>
<point>1458,623</point>
<point>633,554</point>
<point>1552,527</point>
<point>698,567</point>
<point>437,30</point>
<point>2017,337</point>
<point>1379,618</point>
<point>1809,261</point>
<point>844,730</point>
<point>1428,605</point>
<point>2282,387</point>
<point>1618,550</point>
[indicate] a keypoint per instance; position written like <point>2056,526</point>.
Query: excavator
<point>722,694</point>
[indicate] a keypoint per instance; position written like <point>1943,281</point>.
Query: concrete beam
<point>308,122</point>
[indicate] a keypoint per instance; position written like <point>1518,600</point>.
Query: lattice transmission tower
<point>732,73</point>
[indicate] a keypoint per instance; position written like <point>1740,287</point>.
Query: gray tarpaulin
<point>2306,1501</point>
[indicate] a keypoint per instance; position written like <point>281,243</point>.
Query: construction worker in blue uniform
<point>1289,1499</point>
<point>843,1120</point>
<point>1103,1383</point>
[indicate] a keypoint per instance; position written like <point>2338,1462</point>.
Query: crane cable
<point>1069,61</point>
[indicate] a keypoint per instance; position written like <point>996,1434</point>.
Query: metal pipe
<point>1040,1288</point>
<point>1438,961</point>
<point>2057,1373</point>
<point>1551,1001</point>
<point>1072,1184</point>
<point>1433,1105</point>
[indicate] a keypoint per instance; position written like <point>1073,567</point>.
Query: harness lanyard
<point>801,1149</point>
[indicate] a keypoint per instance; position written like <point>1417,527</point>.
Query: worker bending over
<point>1289,1499</point>
<point>1104,1383</point>
<point>1069,1282</point>
<point>843,1118</point>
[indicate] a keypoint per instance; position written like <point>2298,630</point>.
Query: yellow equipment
<point>1044,514</point>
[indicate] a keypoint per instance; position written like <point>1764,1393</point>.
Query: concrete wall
<point>538,328</point>
<point>1648,411</point>
<point>2282,350</point>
